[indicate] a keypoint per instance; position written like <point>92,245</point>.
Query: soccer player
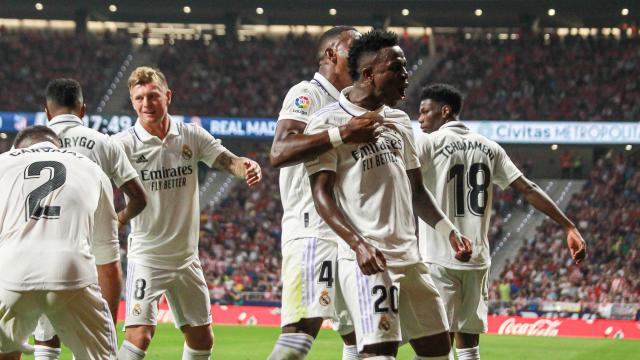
<point>58,240</point>
<point>460,168</point>
<point>308,254</point>
<point>163,244</point>
<point>65,108</point>
<point>365,192</point>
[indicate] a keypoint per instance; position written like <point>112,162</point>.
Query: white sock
<point>128,351</point>
<point>42,352</point>
<point>291,347</point>
<point>469,353</point>
<point>440,357</point>
<point>350,352</point>
<point>451,356</point>
<point>382,357</point>
<point>191,354</point>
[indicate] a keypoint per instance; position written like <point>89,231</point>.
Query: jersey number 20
<point>478,180</point>
<point>57,176</point>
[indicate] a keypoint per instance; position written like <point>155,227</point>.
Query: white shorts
<point>44,331</point>
<point>466,297</point>
<point>309,286</point>
<point>398,303</point>
<point>81,318</point>
<point>185,289</point>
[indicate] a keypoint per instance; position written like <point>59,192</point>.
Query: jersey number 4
<point>478,180</point>
<point>57,174</point>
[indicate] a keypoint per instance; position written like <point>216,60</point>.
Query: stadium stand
<point>607,212</point>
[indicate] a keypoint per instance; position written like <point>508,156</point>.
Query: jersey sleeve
<point>299,103</point>
<point>104,244</point>
<point>328,161</point>
<point>208,147</point>
<point>118,166</point>
<point>505,171</point>
<point>423,149</point>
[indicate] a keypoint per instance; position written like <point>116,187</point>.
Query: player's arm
<point>370,259</point>
<point>110,281</point>
<point>137,200</point>
<point>541,201</point>
<point>291,146</point>
<point>241,167</point>
<point>425,207</point>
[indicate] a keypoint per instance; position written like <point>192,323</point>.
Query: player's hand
<point>577,245</point>
<point>363,128</point>
<point>252,172</point>
<point>461,245</point>
<point>370,259</point>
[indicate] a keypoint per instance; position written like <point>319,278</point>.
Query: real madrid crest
<point>384,324</point>
<point>325,299</point>
<point>137,310</point>
<point>187,154</point>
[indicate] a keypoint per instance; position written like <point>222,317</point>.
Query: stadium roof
<point>446,13</point>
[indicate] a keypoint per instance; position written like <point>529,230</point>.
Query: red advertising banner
<point>501,325</point>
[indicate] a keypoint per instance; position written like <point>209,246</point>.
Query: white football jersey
<point>372,187</point>
<point>459,168</point>
<point>57,220</point>
<point>165,234</point>
<point>94,145</point>
<point>301,102</point>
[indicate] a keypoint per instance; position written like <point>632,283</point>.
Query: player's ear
<point>367,73</point>
<point>445,111</point>
<point>169,96</point>
<point>83,110</point>
<point>46,110</point>
<point>331,54</point>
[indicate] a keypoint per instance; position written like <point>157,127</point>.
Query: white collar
<point>326,85</point>
<point>65,119</point>
<point>353,109</point>
<point>144,135</point>
<point>456,124</point>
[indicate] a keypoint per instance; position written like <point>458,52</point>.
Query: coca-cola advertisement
<point>517,325</point>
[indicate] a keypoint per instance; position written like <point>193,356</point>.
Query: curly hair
<point>445,94</point>
<point>370,42</point>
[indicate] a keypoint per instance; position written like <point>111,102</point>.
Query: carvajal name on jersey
<point>166,178</point>
<point>462,145</point>
<point>378,153</point>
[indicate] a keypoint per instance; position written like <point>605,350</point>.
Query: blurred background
<point>556,83</point>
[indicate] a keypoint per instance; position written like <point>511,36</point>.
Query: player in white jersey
<point>460,167</point>
<point>365,192</point>
<point>65,108</point>
<point>310,292</point>
<point>58,240</point>
<point>163,244</point>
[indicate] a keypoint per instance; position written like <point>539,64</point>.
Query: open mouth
<point>402,90</point>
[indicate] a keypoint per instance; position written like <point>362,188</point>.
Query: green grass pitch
<point>255,343</point>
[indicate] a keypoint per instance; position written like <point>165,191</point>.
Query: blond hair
<point>144,75</point>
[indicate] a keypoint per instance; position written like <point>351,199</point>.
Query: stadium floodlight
<point>113,8</point>
<point>628,147</point>
<point>4,136</point>
<point>551,12</point>
<point>186,9</point>
<point>405,12</point>
<point>259,11</point>
<point>478,12</point>
<point>554,147</point>
<point>624,12</point>
<point>39,6</point>
<point>333,12</point>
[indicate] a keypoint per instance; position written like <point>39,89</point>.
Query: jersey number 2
<point>478,179</point>
<point>57,176</point>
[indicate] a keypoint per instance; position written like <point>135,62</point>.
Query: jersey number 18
<point>478,180</point>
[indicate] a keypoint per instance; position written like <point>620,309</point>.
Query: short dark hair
<point>36,133</point>
<point>64,92</point>
<point>370,42</point>
<point>331,35</point>
<point>444,93</point>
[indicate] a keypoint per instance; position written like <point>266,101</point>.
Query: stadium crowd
<point>31,58</point>
<point>607,212</point>
<point>533,78</point>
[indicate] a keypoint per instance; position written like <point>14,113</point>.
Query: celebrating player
<point>65,108</point>
<point>310,292</point>
<point>365,192</point>
<point>57,225</point>
<point>163,244</point>
<point>460,168</point>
